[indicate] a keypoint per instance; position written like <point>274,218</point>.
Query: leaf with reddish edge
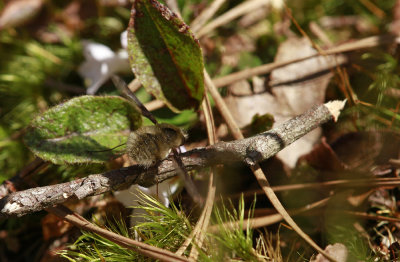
<point>165,56</point>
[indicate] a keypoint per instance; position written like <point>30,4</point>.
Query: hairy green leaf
<point>165,56</point>
<point>82,130</point>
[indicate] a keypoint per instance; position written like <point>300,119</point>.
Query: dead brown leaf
<point>295,88</point>
<point>364,151</point>
<point>53,226</point>
<point>323,157</point>
<point>19,12</point>
<point>338,251</point>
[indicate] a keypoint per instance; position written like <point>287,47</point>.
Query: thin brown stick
<point>154,105</point>
<point>259,174</point>
<point>237,134</point>
<point>142,248</point>
<point>173,6</point>
<point>320,34</point>
<point>373,182</point>
<point>205,218</point>
<point>15,183</point>
<point>270,219</point>
<point>204,16</point>
<point>134,85</point>
<point>263,182</point>
<point>235,12</point>
<point>373,8</point>
<point>364,43</point>
<point>189,184</point>
<point>372,217</point>
<point>302,32</point>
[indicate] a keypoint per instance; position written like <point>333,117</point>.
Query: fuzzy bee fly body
<point>150,144</point>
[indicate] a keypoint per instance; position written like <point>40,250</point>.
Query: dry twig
<point>250,150</point>
<point>202,18</point>
<point>270,219</point>
<point>235,12</point>
<point>204,220</point>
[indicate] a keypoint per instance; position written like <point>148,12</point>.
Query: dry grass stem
<point>206,214</point>
<point>368,42</point>
<point>270,219</point>
<point>204,16</point>
<point>235,12</point>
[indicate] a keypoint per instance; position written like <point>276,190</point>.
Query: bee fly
<point>150,144</point>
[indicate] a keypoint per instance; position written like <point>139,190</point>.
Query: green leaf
<point>165,56</point>
<point>75,131</point>
<point>259,124</point>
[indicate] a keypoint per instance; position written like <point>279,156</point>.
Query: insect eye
<point>169,132</point>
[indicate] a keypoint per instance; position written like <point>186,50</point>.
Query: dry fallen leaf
<point>295,88</point>
<point>19,12</point>
<point>364,151</point>
<point>53,226</point>
<point>323,157</point>
<point>338,251</point>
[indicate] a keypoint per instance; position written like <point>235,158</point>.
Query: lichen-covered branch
<point>250,150</point>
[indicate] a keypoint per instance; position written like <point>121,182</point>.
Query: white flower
<point>129,196</point>
<point>101,63</point>
<point>163,191</point>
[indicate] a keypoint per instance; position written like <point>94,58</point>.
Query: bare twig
<point>235,12</point>
<point>134,85</point>
<point>154,105</point>
<point>373,8</point>
<point>249,150</point>
<point>302,32</point>
<point>267,68</point>
<point>319,33</point>
<point>204,220</point>
<point>189,184</point>
<point>16,182</point>
<point>270,219</point>
<point>262,180</point>
<point>372,217</point>
<point>202,18</point>
<point>173,6</point>
<point>369,183</point>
